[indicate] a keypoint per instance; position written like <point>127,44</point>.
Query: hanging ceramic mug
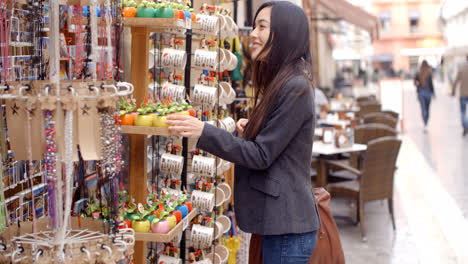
<point>234,29</point>
<point>227,93</point>
<point>227,165</point>
<point>206,59</point>
<point>203,201</point>
<point>226,189</point>
<point>203,166</point>
<point>231,60</point>
<point>218,230</point>
<point>219,197</point>
<point>172,164</point>
<point>204,261</point>
<point>173,91</point>
<point>174,58</point>
<point>223,253</point>
<point>204,95</point>
<point>201,236</point>
<point>153,57</point>
<point>217,258</point>
<point>168,260</point>
<point>230,124</point>
<point>224,27</point>
<point>225,222</point>
<point>209,24</point>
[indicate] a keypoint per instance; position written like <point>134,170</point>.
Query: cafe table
<point>324,151</point>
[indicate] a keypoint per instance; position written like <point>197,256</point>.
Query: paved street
<point>431,198</point>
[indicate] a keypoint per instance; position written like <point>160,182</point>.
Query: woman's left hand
<point>186,126</point>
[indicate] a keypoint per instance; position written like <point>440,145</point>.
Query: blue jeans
<point>463,103</point>
<point>288,249</point>
<point>424,97</point>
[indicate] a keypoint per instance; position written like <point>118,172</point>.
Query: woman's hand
<point>186,126</point>
<point>240,125</point>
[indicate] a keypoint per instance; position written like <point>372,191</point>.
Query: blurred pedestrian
<point>322,107</point>
<point>462,79</point>
<point>425,88</point>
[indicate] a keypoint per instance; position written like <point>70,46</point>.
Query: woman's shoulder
<point>297,83</point>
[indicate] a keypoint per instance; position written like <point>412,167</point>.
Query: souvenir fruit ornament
<point>131,212</point>
<point>145,9</point>
<point>172,219</point>
<point>188,12</point>
<point>150,217</point>
<point>160,119</point>
<point>187,107</point>
<point>127,114</point>
<point>129,8</point>
<point>178,9</point>
<point>144,118</point>
<point>160,225</point>
<point>183,208</point>
<point>164,11</point>
<point>140,224</point>
<point>175,212</point>
<point>93,208</point>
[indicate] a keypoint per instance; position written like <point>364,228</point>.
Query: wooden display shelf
<point>164,238</point>
<point>140,130</point>
<point>154,24</point>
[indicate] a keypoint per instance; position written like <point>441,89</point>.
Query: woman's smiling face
<point>261,32</point>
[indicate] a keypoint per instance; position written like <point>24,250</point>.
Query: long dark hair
<point>424,72</point>
<point>285,55</point>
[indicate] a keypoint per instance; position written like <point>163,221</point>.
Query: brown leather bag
<point>328,249</point>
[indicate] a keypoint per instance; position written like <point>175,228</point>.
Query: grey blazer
<point>272,189</point>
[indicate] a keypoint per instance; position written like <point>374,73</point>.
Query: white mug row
<point>219,61</point>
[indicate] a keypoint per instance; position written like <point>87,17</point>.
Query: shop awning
<point>352,14</point>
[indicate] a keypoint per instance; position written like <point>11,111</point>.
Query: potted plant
<point>159,225</point>
<point>159,120</point>
<point>183,208</point>
<point>145,9</point>
<point>144,118</point>
<point>188,12</point>
<point>140,224</point>
<point>164,11</point>
<point>131,211</point>
<point>127,114</point>
<point>92,209</point>
<point>129,8</point>
<point>172,219</point>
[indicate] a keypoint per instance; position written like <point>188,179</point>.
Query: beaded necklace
<point>50,163</point>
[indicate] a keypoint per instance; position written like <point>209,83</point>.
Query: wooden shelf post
<point>138,146</point>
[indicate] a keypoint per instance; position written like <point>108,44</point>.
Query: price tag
<point>188,23</point>
<point>185,223</point>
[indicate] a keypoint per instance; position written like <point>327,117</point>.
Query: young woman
<point>425,88</point>
<point>273,194</point>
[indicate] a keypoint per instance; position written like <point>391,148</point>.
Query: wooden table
<point>325,150</point>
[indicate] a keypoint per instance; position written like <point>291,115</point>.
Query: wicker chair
<point>380,118</point>
<point>375,179</point>
<point>362,135</point>
<point>393,114</point>
<point>364,99</point>
<point>367,108</point>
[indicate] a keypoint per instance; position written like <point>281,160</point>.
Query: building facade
<point>453,20</point>
<point>409,32</point>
